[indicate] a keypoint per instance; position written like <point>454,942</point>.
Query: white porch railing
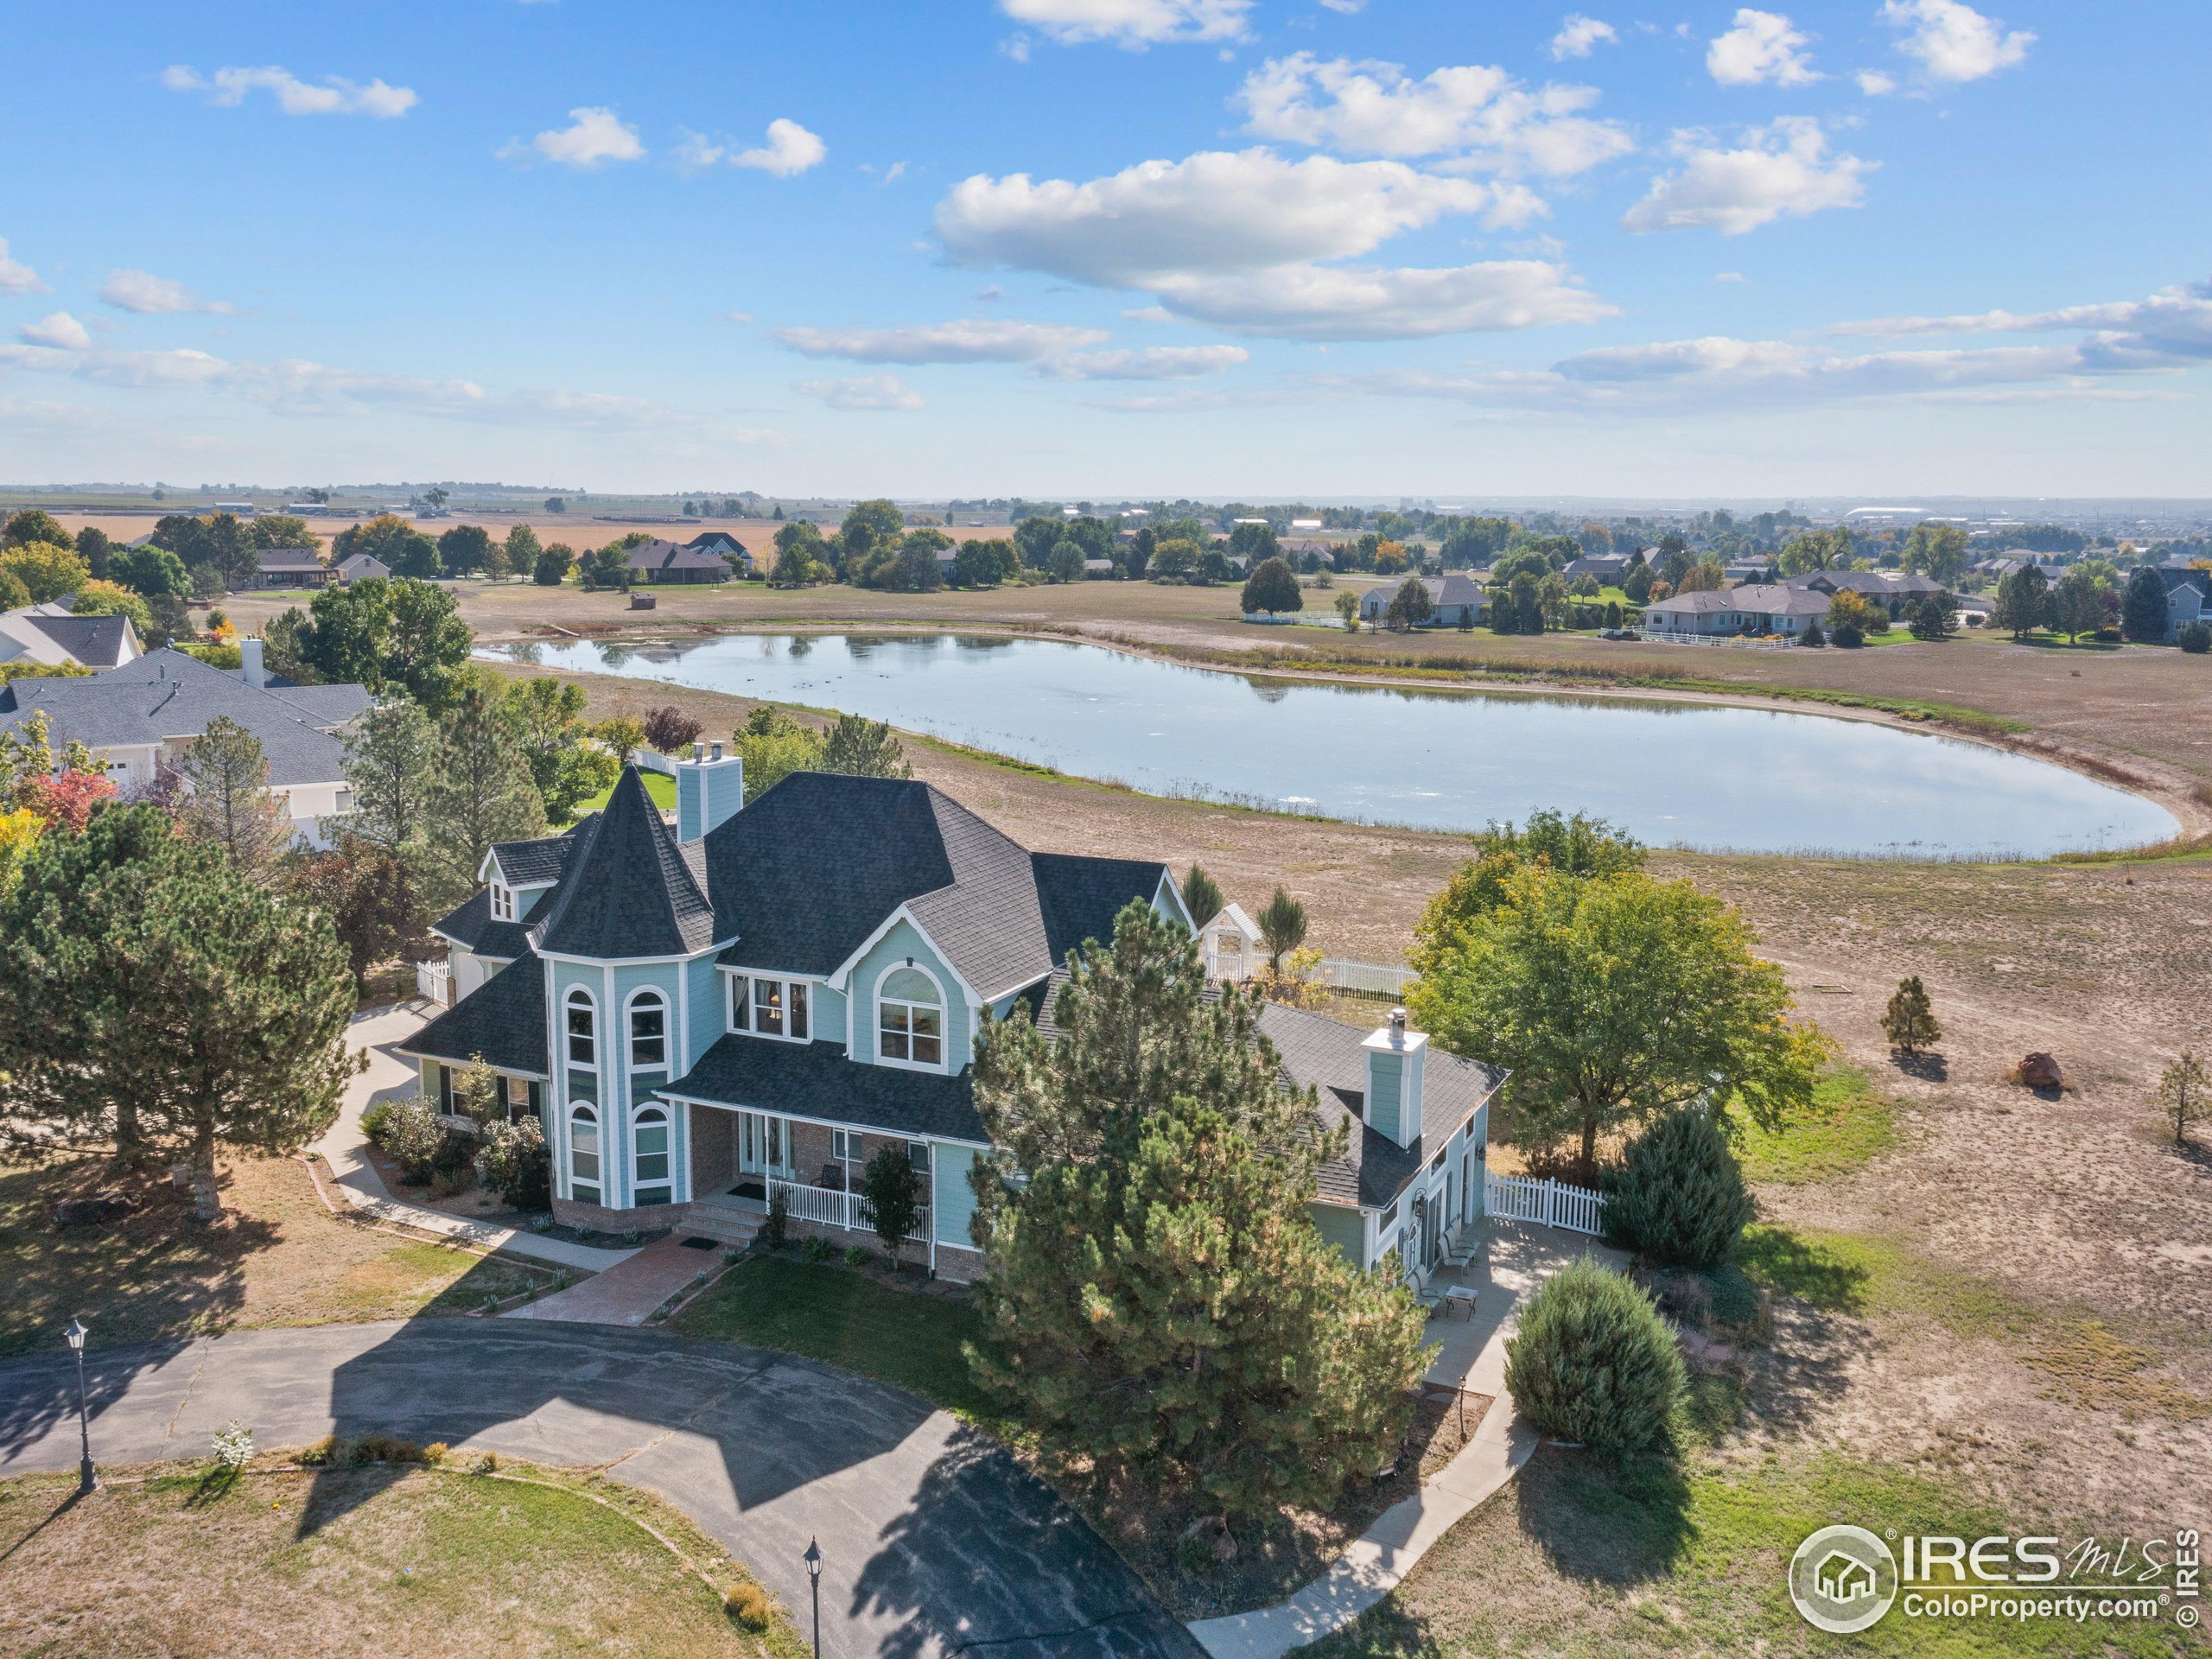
<point>1516,1198</point>
<point>435,980</point>
<point>826,1206</point>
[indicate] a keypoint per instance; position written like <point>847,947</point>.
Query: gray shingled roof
<point>631,889</point>
<point>816,1080</point>
<point>470,927</point>
<point>659,555</point>
<point>1325,1055</point>
<point>92,641</point>
<point>527,863</point>
<point>503,1019</point>
<point>166,694</point>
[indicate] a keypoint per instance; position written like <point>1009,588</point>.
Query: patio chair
<point>832,1178</point>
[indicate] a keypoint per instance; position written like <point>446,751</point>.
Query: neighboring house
<point>292,567</point>
<point>1712,613</point>
<point>1451,596</point>
<point>1232,946</point>
<point>1608,568</point>
<point>1097,569</point>
<point>2189,598</point>
<point>1891,589</point>
<point>750,1003</point>
<point>1997,568</point>
<point>359,567</point>
<point>1749,570</point>
<point>726,546</point>
<point>48,635</point>
<point>664,561</point>
<point>143,715</point>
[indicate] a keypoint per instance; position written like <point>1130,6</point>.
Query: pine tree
<point>228,801</point>
<point>1202,897</point>
<point>1910,1020</point>
<point>2144,608</point>
<point>480,791</point>
<point>152,995</point>
<point>1282,925</point>
<point>1677,1198</point>
<point>863,748</point>
<point>1161,1304</point>
<point>1592,1363</point>
<point>2181,1089</point>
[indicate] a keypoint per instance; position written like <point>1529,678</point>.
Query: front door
<point>762,1145</point>
<point>1429,1233</point>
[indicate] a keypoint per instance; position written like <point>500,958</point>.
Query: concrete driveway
<point>934,1542</point>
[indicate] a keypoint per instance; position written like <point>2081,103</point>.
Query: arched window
<point>584,1044</point>
<point>648,1032</point>
<point>909,1019</point>
<point>584,1152</point>
<point>649,1141</point>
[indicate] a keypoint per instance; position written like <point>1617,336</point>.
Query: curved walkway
<point>392,1076</point>
<point>934,1542</point>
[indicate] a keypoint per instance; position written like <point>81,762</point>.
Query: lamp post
<point>815,1578</point>
<point>87,1482</point>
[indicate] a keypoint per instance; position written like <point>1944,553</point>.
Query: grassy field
<point>280,1259</point>
<point>365,1560</point>
<point>1846,1124</point>
<point>658,786</point>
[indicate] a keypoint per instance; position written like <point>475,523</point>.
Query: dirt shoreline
<point>2186,797</point>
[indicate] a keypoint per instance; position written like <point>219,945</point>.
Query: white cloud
<point>147,295</point>
<point>1346,8</point>
<point>2170,329</point>
<point>1131,23</point>
<point>15,277</point>
<point>1474,110</point>
<point>333,96</point>
<point>592,135</point>
<point>863,392</point>
<point>1326,303</point>
<point>1578,34</point>
<point>1214,212</point>
<point>1875,84</point>
<point>1145,362</point>
<point>1953,42</point>
<point>791,149</point>
<point>61,331</point>
<point>1782,170</point>
<point>1763,48</point>
<point>969,341</point>
<point>1730,277</point>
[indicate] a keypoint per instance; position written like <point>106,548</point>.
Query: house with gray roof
<point>1757,609</point>
<point>360,567</point>
<point>1893,590</point>
<point>1455,598</point>
<point>142,715</point>
<point>51,637</point>
<point>292,567</point>
<point>664,561</point>
<point>2189,598</point>
<point>740,1005</point>
<point>727,547</point>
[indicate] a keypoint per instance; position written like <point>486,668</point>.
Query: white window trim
<point>502,902</point>
<point>667,1029</point>
<point>568,999</point>
<point>943,1015</point>
<point>637,1125</point>
<point>732,978</point>
<point>598,1183</point>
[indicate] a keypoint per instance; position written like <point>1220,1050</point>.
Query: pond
<point>1676,774</point>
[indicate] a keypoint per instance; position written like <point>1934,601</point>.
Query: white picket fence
<point>1516,1198</point>
<point>1364,978</point>
<point>433,979</point>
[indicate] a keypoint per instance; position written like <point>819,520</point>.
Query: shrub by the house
<point>1594,1364</point>
<point>514,1162</point>
<point>1677,1197</point>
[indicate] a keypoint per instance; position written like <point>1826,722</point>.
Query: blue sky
<point>1096,247</point>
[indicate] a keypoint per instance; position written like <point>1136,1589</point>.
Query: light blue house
<point>754,1002</point>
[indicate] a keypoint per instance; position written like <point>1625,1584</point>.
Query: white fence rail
<point>1516,1198</point>
<point>1365,978</point>
<point>828,1207</point>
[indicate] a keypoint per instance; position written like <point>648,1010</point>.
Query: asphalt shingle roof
<point>631,890</point>
<point>527,863</point>
<point>91,641</point>
<point>503,1020</point>
<point>470,927</point>
<point>816,1080</point>
<point>166,695</point>
<point>670,555</point>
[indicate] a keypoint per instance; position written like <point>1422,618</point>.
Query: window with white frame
<point>846,1146</point>
<point>768,1007</point>
<point>649,1144</point>
<point>918,1156</point>
<point>648,1032</point>
<point>502,902</point>
<point>583,1029</point>
<point>910,1020</point>
<point>584,1152</point>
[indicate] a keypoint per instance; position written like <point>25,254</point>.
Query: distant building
<point>1893,590</point>
<point>1608,568</point>
<point>2189,598</point>
<point>359,565</point>
<point>49,635</point>
<point>1452,598</point>
<point>665,561</point>
<point>1710,613</point>
<point>292,567</point>
<point>237,509</point>
<point>724,546</point>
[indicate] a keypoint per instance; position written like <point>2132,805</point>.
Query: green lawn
<point>850,1320</point>
<point>1574,1561</point>
<point>370,1561</point>
<point>1846,1124</point>
<point>659,784</point>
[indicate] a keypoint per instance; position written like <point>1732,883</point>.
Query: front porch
<point>1501,1262</point>
<point>743,1161</point>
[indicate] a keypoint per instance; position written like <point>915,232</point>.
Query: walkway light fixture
<point>87,1481</point>
<point>815,1578</point>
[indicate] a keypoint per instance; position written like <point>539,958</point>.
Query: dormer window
<point>910,1020</point>
<point>769,1008</point>
<point>502,902</point>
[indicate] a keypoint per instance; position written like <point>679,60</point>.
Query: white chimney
<point>250,662</point>
<point>710,791</point>
<point>1395,1056</point>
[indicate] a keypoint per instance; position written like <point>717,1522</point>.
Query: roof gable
<point>630,888</point>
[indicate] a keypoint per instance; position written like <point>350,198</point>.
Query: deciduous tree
<point>774,746</point>
<point>1272,587</point>
<point>46,570</point>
